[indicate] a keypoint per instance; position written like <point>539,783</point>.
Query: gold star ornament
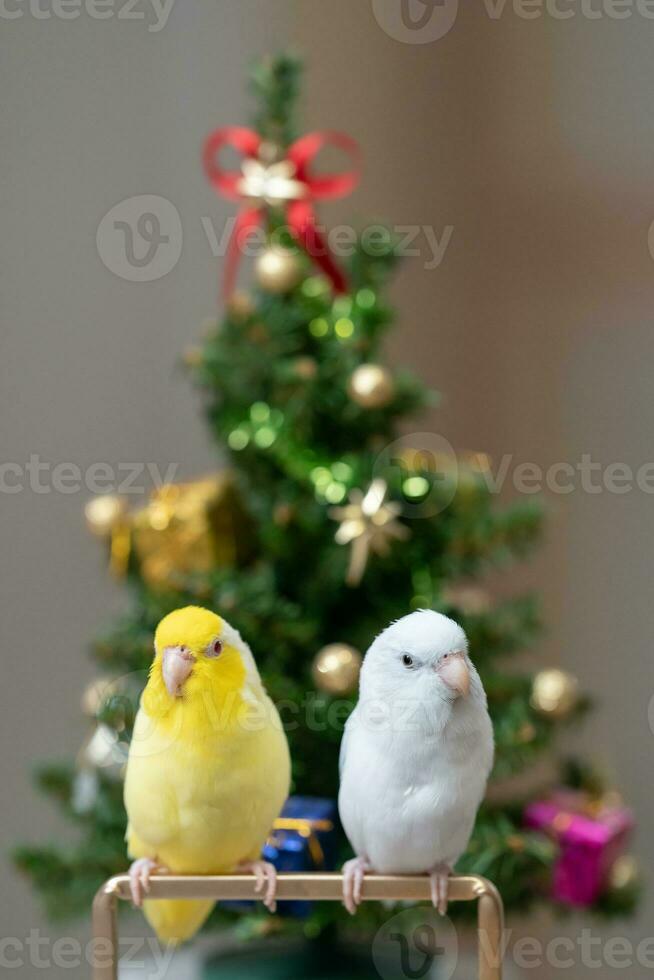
<point>368,522</point>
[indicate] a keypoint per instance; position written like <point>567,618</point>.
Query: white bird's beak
<point>176,664</point>
<point>453,671</point>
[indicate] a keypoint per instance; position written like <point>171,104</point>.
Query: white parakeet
<point>415,756</point>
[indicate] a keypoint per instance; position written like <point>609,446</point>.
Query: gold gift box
<point>184,529</point>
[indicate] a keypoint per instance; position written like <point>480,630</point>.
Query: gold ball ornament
<point>371,386</point>
<point>258,333</point>
<point>278,270</point>
<point>104,513</point>
<point>193,357</point>
<point>624,875</point>
<point>209,326</point>
<point>305,368</point>
<point>555,693</point>
<point>95,694</point>
<point>283,514</point>
<point>471,600</point>
<point>241,306</point>
<point>336,669</point>
<point>526,733</point>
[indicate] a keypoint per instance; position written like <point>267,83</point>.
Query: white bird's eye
<point>215,649</point>
<point>407,660</point>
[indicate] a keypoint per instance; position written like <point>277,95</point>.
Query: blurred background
<point>530,137</point>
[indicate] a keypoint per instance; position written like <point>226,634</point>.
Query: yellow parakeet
<point>208,769</point>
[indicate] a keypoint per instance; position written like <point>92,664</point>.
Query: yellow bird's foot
<point>353,875</point>
<point>265,874</point>
<point>139,878</point>
<point>438,877</point>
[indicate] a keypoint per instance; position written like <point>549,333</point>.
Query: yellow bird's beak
<point>176,665</point>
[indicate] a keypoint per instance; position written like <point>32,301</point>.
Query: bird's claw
<point>139,878</point>
<point>353,875</point>
<point>439,881</point>
<point>266,875</point>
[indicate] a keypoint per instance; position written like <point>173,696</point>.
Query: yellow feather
<point>208,772</point>
<point>176,921</point>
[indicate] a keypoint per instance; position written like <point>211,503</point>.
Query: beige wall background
<point>532,138</point>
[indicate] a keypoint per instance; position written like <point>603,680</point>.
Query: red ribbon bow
<point>287,182</point>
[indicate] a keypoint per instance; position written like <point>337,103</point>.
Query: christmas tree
<point>324,528</point>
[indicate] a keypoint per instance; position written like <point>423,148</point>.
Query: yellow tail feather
<point>176,921</point>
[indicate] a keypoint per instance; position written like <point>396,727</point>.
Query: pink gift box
<point>591,834</point>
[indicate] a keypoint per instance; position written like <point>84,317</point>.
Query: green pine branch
<point>275,82</point>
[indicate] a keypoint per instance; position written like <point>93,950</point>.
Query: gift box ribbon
<point>594,819</point>
<point>306,828</point>
<point>287,183</point>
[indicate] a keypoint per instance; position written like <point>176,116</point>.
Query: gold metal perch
<point>311,886</point>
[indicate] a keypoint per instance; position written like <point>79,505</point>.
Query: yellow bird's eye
<point>215,649</point>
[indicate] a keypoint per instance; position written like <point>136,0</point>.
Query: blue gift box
<point>303,838</point>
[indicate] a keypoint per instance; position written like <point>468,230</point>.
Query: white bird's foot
<point>353,874</point>
<point>438,877</point>
<point>139,878</point>
<point>265,874</point>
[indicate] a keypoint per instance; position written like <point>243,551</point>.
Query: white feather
<point>414,759</point>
